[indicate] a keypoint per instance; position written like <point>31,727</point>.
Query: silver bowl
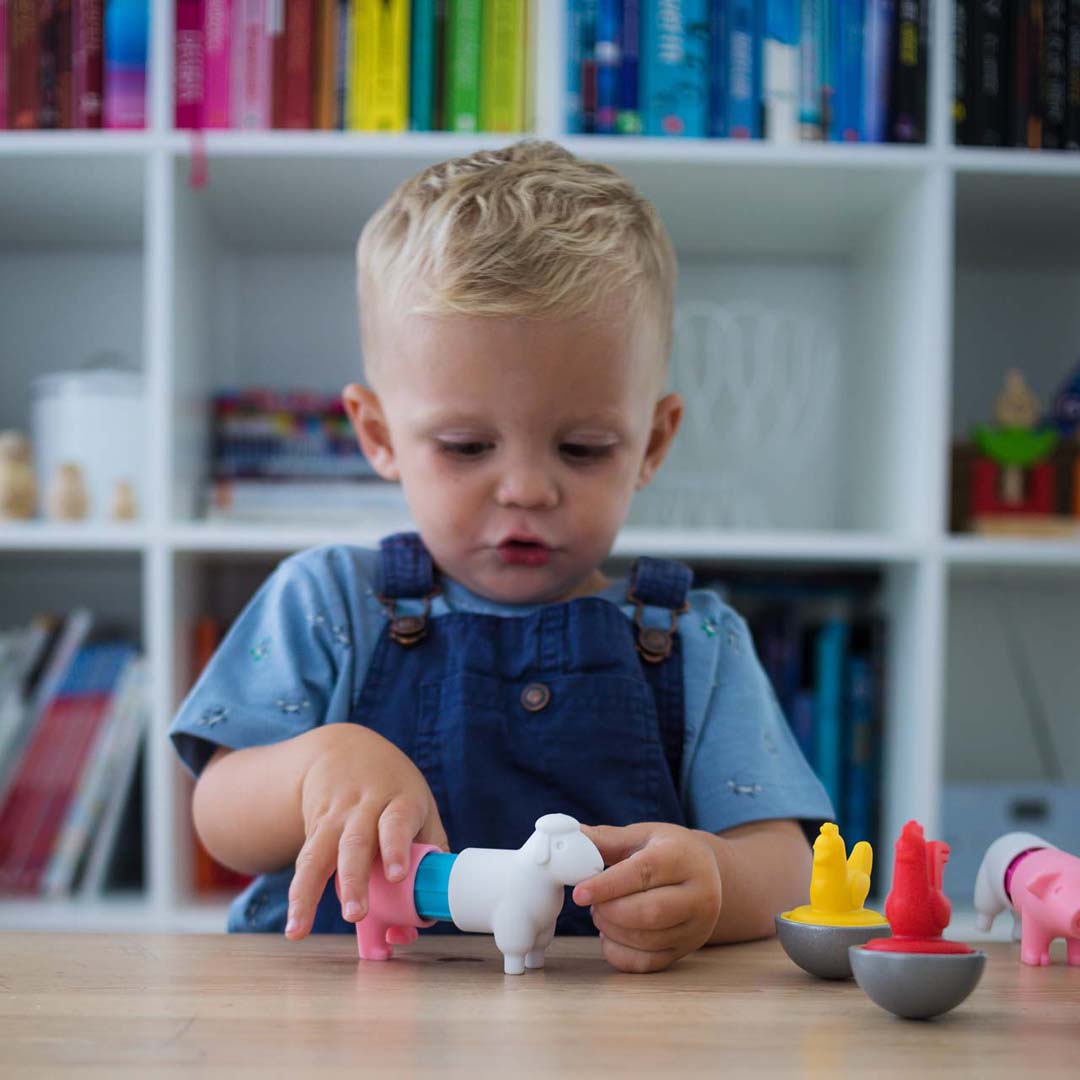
<point>823,950</point>
<point>917,985</point>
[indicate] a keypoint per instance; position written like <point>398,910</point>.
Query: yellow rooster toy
<point>839,884</point>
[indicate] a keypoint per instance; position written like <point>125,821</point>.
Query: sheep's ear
<point>539,847</point>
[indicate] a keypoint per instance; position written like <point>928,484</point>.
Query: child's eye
<point>584,451</point>
<point>463,449</point>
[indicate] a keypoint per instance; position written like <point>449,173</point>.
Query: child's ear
<point>372,431</point>
<point>666,418</point>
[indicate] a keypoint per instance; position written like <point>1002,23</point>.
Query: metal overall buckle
<point>407,630</point>
<point>654,643</point>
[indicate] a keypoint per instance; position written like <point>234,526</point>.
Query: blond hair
<point>529,230</point>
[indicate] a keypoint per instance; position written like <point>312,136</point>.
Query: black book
<point>988,58</point>
<point>1027,40</point>
<point>1053,74</point>
<point>961,88</point>
<point>1072,76</point>
<point>907,97</point>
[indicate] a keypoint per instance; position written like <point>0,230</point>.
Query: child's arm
<point>330,800</point>
<point>669,890</point>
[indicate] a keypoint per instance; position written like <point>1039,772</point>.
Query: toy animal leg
<point>1034,944</point>
<point>1072,951</point>
<point>534,958</point>
<point>514,936</point>
<point>371,938</point>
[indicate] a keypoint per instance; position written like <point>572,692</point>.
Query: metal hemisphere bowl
<point>917,985</point>
<point>823,950</point>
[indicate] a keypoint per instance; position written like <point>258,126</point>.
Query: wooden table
<point>260,1005</point>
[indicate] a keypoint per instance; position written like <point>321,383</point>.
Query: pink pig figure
<point>1041,885</point>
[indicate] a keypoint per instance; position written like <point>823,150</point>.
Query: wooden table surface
<point>151,1005</point>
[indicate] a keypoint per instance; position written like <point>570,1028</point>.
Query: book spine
<point>879,20</point>
<point>65,47</point>
<point>189,64</point>
<point>1072,77</point>
<point>382,65</point>
<point>422,67</point>
<point>299,41</point>
<point>250,66</point>
<point>628,118</point>
<point>4,64</point>
<point>608,41</point>
<point>904,122</point>
<point>1033,91</point>
<point>830,652</point>
<point>127,27</point>
<point>744,69</point>
<point>323,72</point>
<point>88,63</point>
<point>463,34</point>
<point>987,74</point>
<point>850,33</point>
<point>575,42</point>
<point>675,67</point>
<point>810,81</point>
<point>343,63</point>
<point>217,47</point>
<point>24,90</point>
<point>780,61</point>
<point>275,32</point>
<point>48,65</point>
<point>858,750</point>
<point>502,67</point>
<point>962,96</point>
<point>1053,74</point>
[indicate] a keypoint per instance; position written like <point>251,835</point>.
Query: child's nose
<point>528,486</point>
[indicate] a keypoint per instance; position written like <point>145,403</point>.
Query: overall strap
<point>662,583</point>
<point>405,572</point>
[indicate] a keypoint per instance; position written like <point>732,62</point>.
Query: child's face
<point>518,442</point>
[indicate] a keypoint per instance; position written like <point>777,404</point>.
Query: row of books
<point>785,70</point>
<point>357,65</point>
<point>73,63</point>
<point>1017,73</point>
<point>822,645</point>
<point>291,456</point>
<point>73,721</point>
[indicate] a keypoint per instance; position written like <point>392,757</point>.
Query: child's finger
<point>657,909</point>
<point>617,842</point>
<point>643,870</point>
<point>398,824</point>
<point>314,865</point>
<point>432,831</point>
<point>654,939</point>
<point>355,854</point>
<point>637,961</point>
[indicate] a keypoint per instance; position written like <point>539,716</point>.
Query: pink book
<point>189,64</point>
<point>3,65</point>
<point>249,100</point>
<point>217,37</point>
<point>87,65</point>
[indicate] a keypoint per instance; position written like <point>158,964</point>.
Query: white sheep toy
<point>514,894</point>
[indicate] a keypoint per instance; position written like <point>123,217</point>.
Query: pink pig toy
<point>1041,885</point>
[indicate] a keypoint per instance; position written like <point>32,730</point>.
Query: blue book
<point>826,58</point>
<point>422,84</point>
<point>848,39</point>
<point>780,70</point>
<point>674,67</point>
<point>608,63</point>
<point>577,17</point>
<point>810,81</point>
<point>829,657</point>
<point>879,19</point>
<point>855,814</point>
<point>718,68</point>
<point>629,118</point>
<point>745,26</point>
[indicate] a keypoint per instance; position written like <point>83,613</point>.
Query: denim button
<point>535,696</point>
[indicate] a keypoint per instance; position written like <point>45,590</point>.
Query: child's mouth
<point>523,553</point>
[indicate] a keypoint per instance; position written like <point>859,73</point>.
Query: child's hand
<point>360,796</point>
<point>661,898</point>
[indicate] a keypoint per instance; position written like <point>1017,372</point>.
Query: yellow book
<point>502,67</point>
<point>379,67</point>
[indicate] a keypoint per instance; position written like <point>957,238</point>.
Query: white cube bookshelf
<point>902,250</point>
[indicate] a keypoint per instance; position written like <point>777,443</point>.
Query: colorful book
<point>675,67</point>
<point>849,33</point>
<point>608,62</point>
<point>1053,74</point>
<point>907,120</point>
<point>830,651</point>
<point>217,47</point>
<point>745,26</point>
<point>380,71</point>
<point>88,63</point>
<point>423,66</point>
<point>464,21</point>
<point>863,705</point>
<point>48,65</point>
<point>188,53</point>
<point>127,32</point>
<point>1072,77</point>
<point>875,102</point>
<point>987,74</point>
<point>299,56</point>
<point>628,120</point>
<point>65,49</point>
<point>250,104</point>
<point>780,71</point>
<point>4,65</point>
<point>502,65</point>
<point>23,89</point>
<point>344,61</point>
<point>810,70</point>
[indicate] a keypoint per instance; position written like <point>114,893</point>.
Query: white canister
<point>97,420</point>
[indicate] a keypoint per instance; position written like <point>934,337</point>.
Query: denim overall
<point>572,708</point>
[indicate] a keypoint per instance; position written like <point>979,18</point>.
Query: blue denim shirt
<point>297,656</point>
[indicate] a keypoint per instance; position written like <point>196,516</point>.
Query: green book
<point>461,111</point>
<point>422,98</point>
